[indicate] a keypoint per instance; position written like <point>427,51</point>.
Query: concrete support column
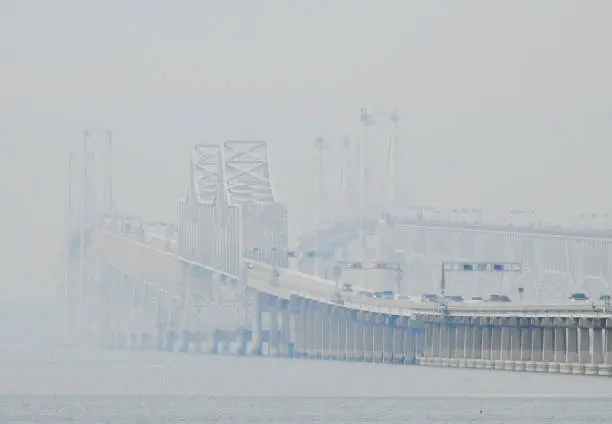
<point>286,347</point>
<point>332,333</point>
<point>430,340</point>
<point>536,344</point>
<point>560,355</point>
<point>419,340</point>
<point>399,330</point>
<point>327,333</point>
<point>476,331</point>
<point>257,327</point>
<point>360,337</point>
<point>515,342</point>
<point>413,343</point>
<point>368,340</point>
<point>312,331</point>
<point>548,347</point>
<point>584,344</point>
<point>273,339</point>
<point>606,367</point>
<point>496,343</point>
<point>378,325</point>
<point>571,340</point>
<point>451,340</point>
<point>460,342</point>
<point>388,339</point>
<point>340,352</point>
<point>487,336</point>
<point>437,339</point>
<point>608,343</point>
<point>468,341</point>
<point>506,346</point>
<point>349,348</point>
<point>526,340</point>
<point>597,353</point>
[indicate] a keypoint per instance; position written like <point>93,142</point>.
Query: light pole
<point>398,280</point>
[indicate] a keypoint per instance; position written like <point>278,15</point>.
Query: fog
<point>502,104</point>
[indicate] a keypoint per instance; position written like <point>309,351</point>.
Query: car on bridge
<point>498,298</point>
<point>578,297</point>
<point>428,297</point>
<point>454,299</point>
<point>346,287</point>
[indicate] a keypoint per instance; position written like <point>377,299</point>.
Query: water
<point>135,387</point>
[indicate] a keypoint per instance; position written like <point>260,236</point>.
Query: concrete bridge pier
<point>340,347</point>
<point>496,343</point>
<point>318,323</point>
<point>413,335</point>
<point>526,334</point>
<point>436,336</point>
<point>469,341</point>
<point>592,328</point>
<point>256,342</point>
<point>537,341</point>
<point>487,336</point>
<point>397,328</point>
<point>325,332</point>
<point>379,329</point>
<point>571,341</point>
<point>388,325</point>
<point>334,333</point>
<point>476,331</point>
<point>369,342</point>
<point>360,336</point>
<point>506,344</point>
<point>597,336</point>
<point>445,342</point>
<point>606,367</point>
<point>584,346</point>
<point>299,313</point>
<point>460,341</point>
<point>429,343</point>
<point>311,331</point>
<point>286,346</point>
<point>560,345</point>
<point>418,332</point>
<point>351,329</point>
<point>212,341</point>
<point>548,347</point>
<point>241,343</point>
<point>273,333</point>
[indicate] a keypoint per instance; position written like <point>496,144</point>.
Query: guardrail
<point>323,291</point>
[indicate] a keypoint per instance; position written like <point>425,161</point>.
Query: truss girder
<point>207,172</point>
<point>246,170</point>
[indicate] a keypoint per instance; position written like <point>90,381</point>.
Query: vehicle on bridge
<point>384,294</point>
<point>427,297</point>
<point>454,299</point>
<point>578,297</point>
<point>346,287</point>
<point>498,298</point>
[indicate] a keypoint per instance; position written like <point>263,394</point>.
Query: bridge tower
<point>230,211</point>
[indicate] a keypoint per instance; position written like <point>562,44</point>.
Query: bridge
<point>223,279</point>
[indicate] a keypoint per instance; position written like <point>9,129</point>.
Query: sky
<point>502,104</point>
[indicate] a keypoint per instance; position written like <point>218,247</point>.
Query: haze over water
<point>502,105</point>
<point>43,383</point>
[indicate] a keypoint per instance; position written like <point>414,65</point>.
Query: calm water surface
<point>135,387</point>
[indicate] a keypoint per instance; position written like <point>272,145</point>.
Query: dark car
<point>499,298</point>
<point>429,297</point>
